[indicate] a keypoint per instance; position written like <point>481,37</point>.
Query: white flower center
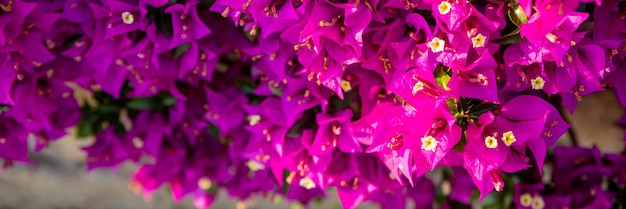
<point>478,41</point>
<point>444,7</point>
<point>526,200</point>
<point>345,85</point>
<point>307,183</point>
<point>128,18</point>
<point>254,119</point>
<point>508,138</point>
<point>205,183</point>
<point>538,203</point>
<point>537,83</point>
<point>436,45</point>
<point>429,143</point>
<point>417,87</point>
<point>491,142</point>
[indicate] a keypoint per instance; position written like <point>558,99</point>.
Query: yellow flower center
<point>436,45</point>
<point>307,183</point>
<point>444,7</point>
<point>429,143</point>
<point>526,200</point>
<point>491,142</point>
<point>537,83</point>
<point>417,87</point>
<point>478,40</point>
<point>254,119</point>
<point>538,203</point>
<point>128,18</point>
<point>205,183</point>
<point>508,138</point>
<point>345,85</point>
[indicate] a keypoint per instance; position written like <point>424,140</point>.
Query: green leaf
<point>69,42</point>
<point>512,39</point>
<point>107,109</point>
<point>517,15</point>
<point>214,130</point>
<point>442,76</point>
<point>277,92</point>
<point>141,104</point>
<point>162,20</point>
<point>253,34</point>
<point>581,8</point>
<point>304,122</point>
<point>180,50</point>
<point>285,184</point>
<point>168,101</point>
<point>246,85</point>
<point>84,128</point>
<point>452,104</point>
<point>339,104</point>
<point>461,145</point>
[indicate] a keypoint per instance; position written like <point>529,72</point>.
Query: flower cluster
<point>581,179</point>
<point>292,97</point>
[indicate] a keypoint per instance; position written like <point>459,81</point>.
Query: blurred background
<point>58,178</point>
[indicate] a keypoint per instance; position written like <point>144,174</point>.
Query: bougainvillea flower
<point>477,80</point>
<point>553,127</point>
<point>110,149</point>
<point>155,3</point>
<point>117,17</point>
<point>609,24</point>
<point>12,23</point>
<point>462,186</point>
<point>32,108</point>
<point>483,156</point>
<point>291,98</point>
<point>186,24</point>
<point>13,141</point>
<point>556,38</point>
<point>334,133</point>
<point>569,159</point>
<point>452,13</point>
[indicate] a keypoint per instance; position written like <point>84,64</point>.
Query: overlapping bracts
<point>293,97</point>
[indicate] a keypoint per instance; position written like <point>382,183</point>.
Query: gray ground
<point>59,180</point>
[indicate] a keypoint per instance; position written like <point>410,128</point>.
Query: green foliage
<point>442,76</point>
<point>162,20</point>
<point>180,50</point>
<point>108,110</point>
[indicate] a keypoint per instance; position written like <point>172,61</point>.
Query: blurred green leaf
<point>84,129</point>
<point>141,104</point>
<point>180,50</point>
<point>69,42</point>
<point>107,109</point>
<point>168,101</point>
<point>277,92</point>
<point>285,184</point>
<point>214,130</point>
